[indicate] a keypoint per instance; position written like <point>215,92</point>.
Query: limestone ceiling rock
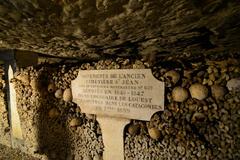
<point>96,28</point>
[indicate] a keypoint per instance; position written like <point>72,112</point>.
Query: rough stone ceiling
<point>98,28</point>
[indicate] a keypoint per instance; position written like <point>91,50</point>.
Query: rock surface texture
<point>95,28</point>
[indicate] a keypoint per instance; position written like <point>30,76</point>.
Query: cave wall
<point>95,28</point>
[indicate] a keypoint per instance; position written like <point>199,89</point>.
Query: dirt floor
<point>7,153</point>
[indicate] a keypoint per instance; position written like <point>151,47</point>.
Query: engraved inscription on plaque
<point>123,93</point>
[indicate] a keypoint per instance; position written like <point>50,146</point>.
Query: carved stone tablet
<point>123,93</point>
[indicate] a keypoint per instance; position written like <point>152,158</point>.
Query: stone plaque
<point>123,93</point>
<point>116,96</point>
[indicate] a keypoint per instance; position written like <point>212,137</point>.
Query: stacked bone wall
<point>200,120</point>
<point>4,120</point>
